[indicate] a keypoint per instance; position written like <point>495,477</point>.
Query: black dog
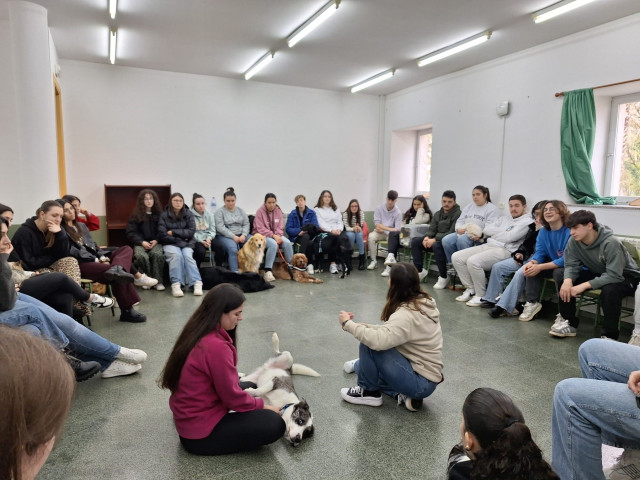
<point>247,282</point>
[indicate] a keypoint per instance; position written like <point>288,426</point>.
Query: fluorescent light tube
<point>113,37</point>
<point>312,23</point>
<point>455,48</point>
<point>113,7</point>
<point>381,77</point>
<point>259,65</point>
<point>558,9</point>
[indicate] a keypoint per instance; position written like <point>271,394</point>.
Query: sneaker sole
<point>369,402</point>
<point>469,304</point>
<point>532,316</point>
<point>135,369</point>
<point>562,334</point>
<point>458,299</point>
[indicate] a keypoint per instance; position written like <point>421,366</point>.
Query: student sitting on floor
<point>212,415</point>
<point>600,408</point>
<point>496,443</point>
<point>594,259</point>
<point>387,218</point>
<point>402,357</point>
<point>442,224</point>
<point>503,236</point>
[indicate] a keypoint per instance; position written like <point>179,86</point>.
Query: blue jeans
<point>596,409</point>
<point>232,248</point>
<point>61,330</point>
<point>357,238</point>
<point>454,242</point>
<point>499,273</point>
<point>272,251</point>
<point>513,291</point>
<point>182,266</point>
<point>387,371</point>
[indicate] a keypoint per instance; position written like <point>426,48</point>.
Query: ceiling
<point>365,37</point>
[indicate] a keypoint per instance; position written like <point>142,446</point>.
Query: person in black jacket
<point>496,442</point>
<point>142,232</point>
<point>176,231</point>
<point>500,271</point>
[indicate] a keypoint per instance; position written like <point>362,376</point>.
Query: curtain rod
<point>560,94</point>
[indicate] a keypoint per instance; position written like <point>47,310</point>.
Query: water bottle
<point>213,204</point>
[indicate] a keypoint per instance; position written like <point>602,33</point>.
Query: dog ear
<point>308,432</point>
<point>303,404</point>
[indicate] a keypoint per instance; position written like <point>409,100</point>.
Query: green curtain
<point>577,134</point>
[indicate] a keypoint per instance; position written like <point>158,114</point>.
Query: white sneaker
<point>119,369</point>
<point>530,310</point>
<point>386,271</point>
<point>559,320</point>
<point>390,260</point>
<point>466,295</point>
<point>159,287</point>
<point>197,289</point>
<point>268,276</point>
<point>359,396</point>
<point>475,301</point>
<point>635,338</point>
<point>442,283</point>
<point>350,366</point>
<point>310,269</point>
<point>563,330</point>
<point>422,274</point>
<point>131,355</point>
<point>372,265</point>
<point>333,268</point>
<point>176,291</point>
<point>627,467</point>
<point>99,301</point>
<point>145,282</point>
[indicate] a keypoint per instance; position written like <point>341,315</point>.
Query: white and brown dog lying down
<point>297,271</point>
<point>275,387</point>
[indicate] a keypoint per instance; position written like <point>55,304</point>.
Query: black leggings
<point>56,290</point>
<point>238,432</point>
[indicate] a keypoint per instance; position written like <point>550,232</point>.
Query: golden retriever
<point>251,254</point>
<point>298,272</point>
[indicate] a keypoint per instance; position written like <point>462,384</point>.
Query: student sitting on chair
<point>387,218</point>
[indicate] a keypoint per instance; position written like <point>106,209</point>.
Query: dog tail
<point>299,369</point>
<point>276,342</point>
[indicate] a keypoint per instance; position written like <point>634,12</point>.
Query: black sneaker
<point>83,370</point>
<point>497,311</point>
<point>486,304</point>
<point>133,316</point>
<point>117,274</point>
<point>360,396</point>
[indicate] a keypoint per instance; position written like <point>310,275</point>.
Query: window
<point>623,157</point>
<point>423,161</point>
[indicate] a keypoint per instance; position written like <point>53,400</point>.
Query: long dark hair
<point>484,190</point>
<point>350,215</point>
<point>72,230</point>
<point>507,449</point>
<point>332,204</point>
<point>140,211</point>
<point>404,288</point>
<point>47,205</point>
<point>170,206</point>
<point>5,208</point>
<point>409,214</point>
<point>206,319</point>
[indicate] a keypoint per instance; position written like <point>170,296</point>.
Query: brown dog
<point>298,272</point>
<point>251,254</point>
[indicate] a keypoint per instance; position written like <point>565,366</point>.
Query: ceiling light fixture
<point>113,7</point>
<point>455,48</point>
<point>558,9</point>
<point>259,65</point>
<point>312,23</point>
<point>381,77</point>
<point>113,37</point>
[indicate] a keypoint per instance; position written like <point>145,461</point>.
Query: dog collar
<point>291,267</point>
<point>285,407</point>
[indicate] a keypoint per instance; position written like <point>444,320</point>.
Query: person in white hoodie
<point>503,237</point>
<point>479,213</point>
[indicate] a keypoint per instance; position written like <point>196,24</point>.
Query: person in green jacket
<point>442,224</point>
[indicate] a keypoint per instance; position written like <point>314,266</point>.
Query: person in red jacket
<point>211,412</point>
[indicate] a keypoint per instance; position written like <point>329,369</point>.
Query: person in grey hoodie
<point>594,259</point>
<point>503,237</point>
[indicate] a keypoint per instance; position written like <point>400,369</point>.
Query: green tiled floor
<point>122,428</point>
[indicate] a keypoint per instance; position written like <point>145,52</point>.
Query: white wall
<point>202,134</point>
<point>467,133</point>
